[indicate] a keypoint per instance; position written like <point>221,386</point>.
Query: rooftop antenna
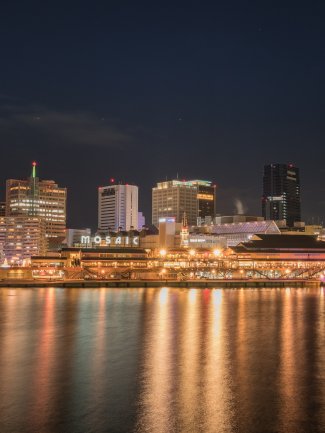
<point>34,169</point>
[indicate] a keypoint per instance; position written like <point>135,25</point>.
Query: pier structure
<point>264,258</point>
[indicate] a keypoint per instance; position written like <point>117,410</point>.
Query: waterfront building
<point>73,236</point>
<point>169,231</point>
<point>281,193</point>
<point>167,236</point>
<point>301,228</point>
<point>175,235</point>
<point>116,260</point>
<point>264,257</point>
<point>231,230</point>
<point>239,218</point>
<point>315,230</point>
<point>117,207</point>
<point>281,256</point>
<point>173,198</point>
<point>39,198</point>
<point>206,241</point>
<point>234,233</point>
<point>22,237</point>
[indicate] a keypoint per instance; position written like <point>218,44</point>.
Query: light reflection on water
<point>162,360</point>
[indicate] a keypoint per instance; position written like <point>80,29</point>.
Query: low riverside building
<point>171,234</point>
<point>100,256</point>
<point>234,233</point>
<point>230,233</point>
<point>238,218</point>
<point>265,256</point>
<point>278,256</point>
<point>293,247</point>
<point>97,262</point>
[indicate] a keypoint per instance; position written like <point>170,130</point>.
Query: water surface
<point>162,360</point>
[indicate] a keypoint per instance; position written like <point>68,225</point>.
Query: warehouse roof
<point>280,243</point>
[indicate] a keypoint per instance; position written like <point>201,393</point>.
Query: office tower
<point>173,198</point>
<point>39,198</point>
<point>281,193</point>
<point>22,237</point>
<point>206,196</point>
<point>118,207</point>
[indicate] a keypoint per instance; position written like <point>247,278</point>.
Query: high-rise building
<point>173,198</point>
<point>21,238</point>
<point>206,196</point>
<point>39,198</point>
<point>117,207</point>
<point>281,193</point>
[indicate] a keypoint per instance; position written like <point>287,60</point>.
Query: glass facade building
<point>281,193</point>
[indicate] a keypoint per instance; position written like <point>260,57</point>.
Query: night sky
<point>141,91</point>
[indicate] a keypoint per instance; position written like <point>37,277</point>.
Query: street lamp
<point>162,252</point>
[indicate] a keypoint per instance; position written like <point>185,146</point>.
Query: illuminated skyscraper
<point>197,198</point>
<point>117,207</point>
<point>39,198</point>
<point>22,237</point>
<point>281,193</point>
<point>206,198</point>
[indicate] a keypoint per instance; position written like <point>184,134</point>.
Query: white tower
<point>117,207</point>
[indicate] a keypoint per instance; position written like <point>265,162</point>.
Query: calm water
<point>162,360</point>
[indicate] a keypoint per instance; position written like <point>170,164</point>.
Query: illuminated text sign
<point>110,240</point>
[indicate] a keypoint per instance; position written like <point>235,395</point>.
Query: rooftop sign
<point>111,240</point>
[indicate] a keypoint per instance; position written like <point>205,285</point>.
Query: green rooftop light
<point>34,169</point>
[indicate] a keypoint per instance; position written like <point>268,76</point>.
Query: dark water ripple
<point>162,360</point>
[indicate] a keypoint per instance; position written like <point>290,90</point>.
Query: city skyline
<point>238,205</point>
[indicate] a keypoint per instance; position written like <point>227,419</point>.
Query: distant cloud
<point>40,124</point>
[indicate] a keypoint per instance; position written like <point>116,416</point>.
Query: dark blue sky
<point>141,91</point>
